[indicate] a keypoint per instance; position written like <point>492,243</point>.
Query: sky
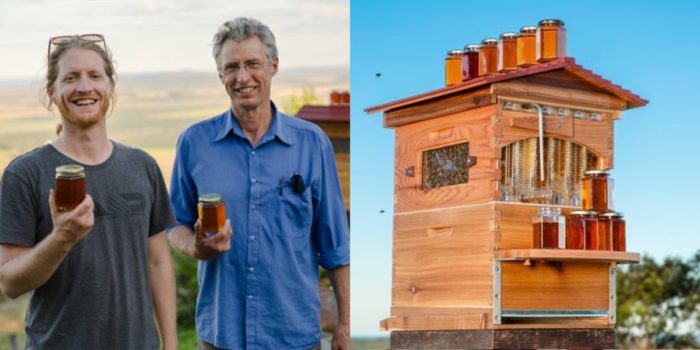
<point>650,48</point>
<point>169,35</point>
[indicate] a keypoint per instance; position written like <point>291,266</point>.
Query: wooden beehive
<point>462,257</point>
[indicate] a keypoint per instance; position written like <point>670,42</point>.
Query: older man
<point>98,272</point>
<point>277,176</point>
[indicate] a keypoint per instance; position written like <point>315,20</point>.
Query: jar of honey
<point>470,62</point>
<point>488,57</point>
<point>508,52</point>
<point>597,191</point>
<point>70,187</point>
<point>212,212</point>
<point>551,40</point>
<point>613,226</point>
<point>548,229</point>
<point>527,42</point>
<point>582,230</point>
<point>453,67</point>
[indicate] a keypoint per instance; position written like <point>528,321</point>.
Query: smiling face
<point>246,72</point>
<point>82,90</point>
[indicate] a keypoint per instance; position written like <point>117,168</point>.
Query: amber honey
<point>453,67</point>
<point>507,52</point>
<point>527,43</point>
<point>470,62</point>
<point>70,187</point>
<point>551,40</point>
<point>212,212</point>
<point>584,224</point>
<point>548,228</point>
<point>597,190</point>
<point>613,226</point>
<point>488,57</point>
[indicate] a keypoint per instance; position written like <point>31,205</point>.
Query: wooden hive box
<point>462,258</point>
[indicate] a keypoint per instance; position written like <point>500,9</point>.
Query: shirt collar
<point>278,127</point>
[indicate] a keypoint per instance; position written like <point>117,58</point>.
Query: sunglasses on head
<point>64,39</point>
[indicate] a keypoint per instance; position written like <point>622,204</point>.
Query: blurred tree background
<point>658,304</point>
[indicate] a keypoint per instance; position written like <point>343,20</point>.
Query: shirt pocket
<point>294,212</point>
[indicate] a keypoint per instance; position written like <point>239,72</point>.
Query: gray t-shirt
<point>100,295</point>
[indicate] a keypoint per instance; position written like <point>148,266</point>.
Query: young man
<point>277,176</point>
<point>99,272</point>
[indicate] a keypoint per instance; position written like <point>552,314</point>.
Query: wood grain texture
<point>438,107</point>
<point>475,127</point>
<point>552,125</point>
<point>554,286</point>
<point>452,269</point>
<point>568,255</point>
<point>505,339</point>
<point>470,320</point>
<point>555,94</point>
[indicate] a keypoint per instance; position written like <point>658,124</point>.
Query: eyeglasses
<point>64,39</point>
<point>250,66</point>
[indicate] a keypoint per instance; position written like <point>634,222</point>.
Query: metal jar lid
<point>612,214</point>
<point>605,172</point>
<point>70,170</point>
<point>509,35</point>
<point>528,30</point>
<point>472,48</point>
<point>210,198</point>
<point>489,42</point>
<point>583,213</point>
<point>551,22</point>
<point>454,53</point>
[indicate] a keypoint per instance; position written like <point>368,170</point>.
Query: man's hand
<point>341,338</point>
<point>206,248</point>
<point>72,226</point>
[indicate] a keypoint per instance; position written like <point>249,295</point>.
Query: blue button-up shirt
<point>263,293</point>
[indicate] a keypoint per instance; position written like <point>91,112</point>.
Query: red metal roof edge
<point>567,63</point>
<point>332,113</point>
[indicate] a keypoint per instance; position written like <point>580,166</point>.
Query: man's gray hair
<point>240,29</point>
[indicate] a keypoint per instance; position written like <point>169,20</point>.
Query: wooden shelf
<point>568,255</point>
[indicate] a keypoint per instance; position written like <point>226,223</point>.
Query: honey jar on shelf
<point>453,67</point>
<point>488,57</point>
<point>70,186</point>
<point>470,62</point>
<point>551,40</point>
<point>212,212</point>
<point>613,226</point>
<point>597,191</point>
<point>508,52</point>
<point>527,43</point>
<point>548,229</point>
<point>582,230</point>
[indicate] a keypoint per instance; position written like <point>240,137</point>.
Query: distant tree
<point>659,304</point>
<point>293,103</point>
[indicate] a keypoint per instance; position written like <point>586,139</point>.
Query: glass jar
<point>551,40</point>
<point>212,212</point>
<point>527,41</point>
<point>335,98</point>
<point>488,57</point>
<point>597,191</point>
<point>453,67</point>
<point>508,52</point>
<point>548,229</point>
<point>70,187</point>
<point>582,226</point>
<point>470,62</point>
<point>613,225</point>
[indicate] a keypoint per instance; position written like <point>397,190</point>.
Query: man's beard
<point>83,123</point>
